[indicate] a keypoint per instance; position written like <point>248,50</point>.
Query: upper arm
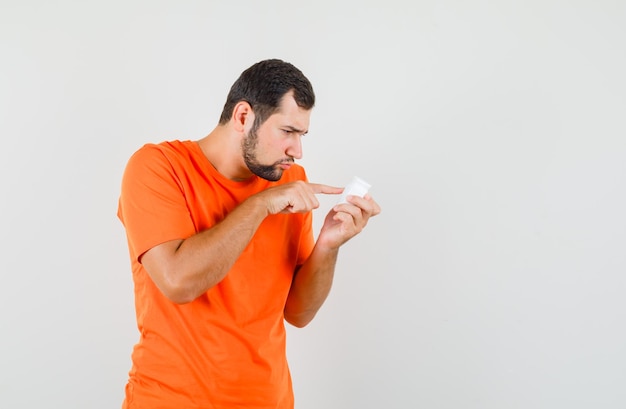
<point>152,204</point>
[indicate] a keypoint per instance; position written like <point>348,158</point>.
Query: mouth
<point>285,164</point>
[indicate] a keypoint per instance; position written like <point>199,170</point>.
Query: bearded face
<point>249,146</point>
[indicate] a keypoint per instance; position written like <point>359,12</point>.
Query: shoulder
<point>156,161</point>
<point>168,152</point>
<point>166,149</point>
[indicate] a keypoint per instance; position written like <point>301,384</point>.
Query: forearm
<point>311,286</point>
<point>187,268</point>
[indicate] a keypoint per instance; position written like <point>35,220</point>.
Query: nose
<point>295,148</point>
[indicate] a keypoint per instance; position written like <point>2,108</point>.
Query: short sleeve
<point>152,204</point>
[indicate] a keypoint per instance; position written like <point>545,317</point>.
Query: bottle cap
<point>356,187</point>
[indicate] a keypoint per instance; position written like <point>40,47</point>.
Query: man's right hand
<point>295,197</point>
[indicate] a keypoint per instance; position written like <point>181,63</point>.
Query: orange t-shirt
<point>226,349</point>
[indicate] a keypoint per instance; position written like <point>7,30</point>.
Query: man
<point>222,250</point>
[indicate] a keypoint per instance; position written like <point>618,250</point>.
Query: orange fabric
<point>226,349</point>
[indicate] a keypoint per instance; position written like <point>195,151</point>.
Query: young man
<point>222,251</point>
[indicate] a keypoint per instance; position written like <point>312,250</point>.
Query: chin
<point>275,177</point>
<point>272,177</point>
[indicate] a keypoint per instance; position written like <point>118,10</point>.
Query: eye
<point>292,132</point>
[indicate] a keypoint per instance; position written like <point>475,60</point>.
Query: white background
<point>493,133</point>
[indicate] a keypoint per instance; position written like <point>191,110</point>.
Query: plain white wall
<point>493,133</point>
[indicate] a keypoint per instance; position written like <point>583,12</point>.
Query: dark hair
<point>263,85</point>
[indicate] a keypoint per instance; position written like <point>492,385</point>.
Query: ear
<point>243,117</point>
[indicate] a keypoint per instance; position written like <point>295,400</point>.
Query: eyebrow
<point>293,129</point>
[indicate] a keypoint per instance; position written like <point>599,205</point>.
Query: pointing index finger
<point>325,189</point>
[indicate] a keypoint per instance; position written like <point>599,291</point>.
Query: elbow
<point>174,277</point>
<point>299,320</point>
<point>178,295</point>
<point>178,291</point>
<point>182,288</point>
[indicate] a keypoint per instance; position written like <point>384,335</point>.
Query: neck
<point>222,147</point>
